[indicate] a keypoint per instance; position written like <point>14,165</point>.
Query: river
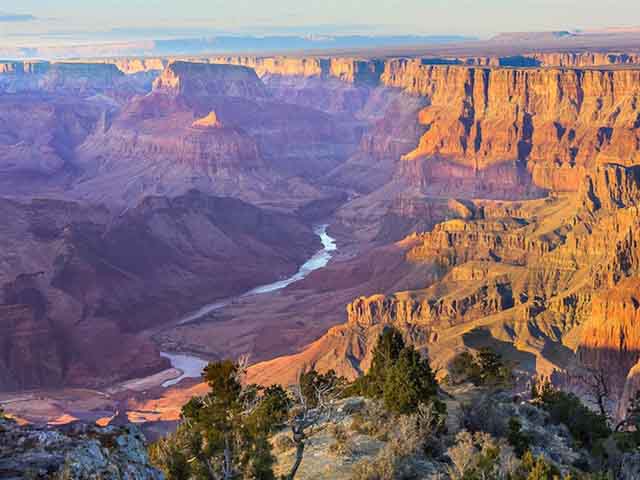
<point>190,366</point>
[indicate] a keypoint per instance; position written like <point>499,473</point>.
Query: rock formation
<point>207,80</point>
<point>556,123</point>
<point>158,141</point>
<point>537,290</point>
<point>75,451</point>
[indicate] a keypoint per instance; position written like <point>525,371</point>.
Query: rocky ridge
<point>76,451</point>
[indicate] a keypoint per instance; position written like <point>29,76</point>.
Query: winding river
<point>190,366</point>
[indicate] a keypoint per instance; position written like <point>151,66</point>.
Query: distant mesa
<point>209,121</point>
<point>204,79</point>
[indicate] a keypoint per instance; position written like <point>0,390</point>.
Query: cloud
<point>16,17</point>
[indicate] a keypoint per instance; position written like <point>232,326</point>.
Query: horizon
<point>72,22</point>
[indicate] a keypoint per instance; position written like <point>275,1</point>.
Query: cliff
<point>23,68</point>
<point>578,59</point>
<point>491,127</point>
<point>356,71</point>
<point>611,335</point>
<point>555,123</point>
<point>511,129</point>
<point>159,142</point>
<point>80,77</point>
<point>38,136</point>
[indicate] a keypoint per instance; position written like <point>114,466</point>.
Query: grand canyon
<point>162,212</point>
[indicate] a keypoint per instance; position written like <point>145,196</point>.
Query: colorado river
<point>191,367</point>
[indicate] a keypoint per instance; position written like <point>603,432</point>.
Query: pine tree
<point>409,381</point>
<point>385,354</point>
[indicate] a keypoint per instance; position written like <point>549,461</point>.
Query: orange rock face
<point>210,121</point>
<point>556,123</point>
<point>611,335</point>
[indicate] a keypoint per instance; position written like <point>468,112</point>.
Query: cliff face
<point>349,70</point>
<point>494,127</point>
<point>556,123</point>
<point>23,68</point>
<point>80,77</point>
<point>193,146</point>
<point>550,59</point>
<point>38,135</point>
<point>496,132</point>
<point>586,59</point>
<point>611,335</point>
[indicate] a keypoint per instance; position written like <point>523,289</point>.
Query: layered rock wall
<point>557,123</point>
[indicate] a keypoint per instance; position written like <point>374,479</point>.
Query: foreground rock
<point>76,451</point>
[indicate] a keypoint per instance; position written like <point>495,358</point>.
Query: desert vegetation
<point>395,422</point>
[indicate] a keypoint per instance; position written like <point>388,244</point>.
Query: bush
<point>536,469</point>
<point>396,460</point>
<point>374,421</point>
<point>408,383</point>
<point>487,368</point>
<point>463,368</point>
<point>399,375</point>
<point>587,427</point>
<point>169,454</point>
<point>342,444</point>
<point>219,433</point>
<point>386,353</point>
<point>312,381</point>
<point>273,410</point>
<point>520,441</point>
<point>479,456</point>
<point>485,413</point>
<point>283,443</point>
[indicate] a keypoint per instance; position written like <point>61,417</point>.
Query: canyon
<point>476,200</point>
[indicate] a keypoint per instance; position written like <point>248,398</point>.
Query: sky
<point>28,21</point>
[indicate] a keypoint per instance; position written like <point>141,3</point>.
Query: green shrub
<point>374,421</point>
<point>463,368</point>
<point>536,469</point>
<point>219,432</point>
<point>520,441</point>
<point>406,443</point>
<point>408,383</point>
<point>487,368</point>
<point>283,443</point>
<point>399,375</point>
<point>587,427</point>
